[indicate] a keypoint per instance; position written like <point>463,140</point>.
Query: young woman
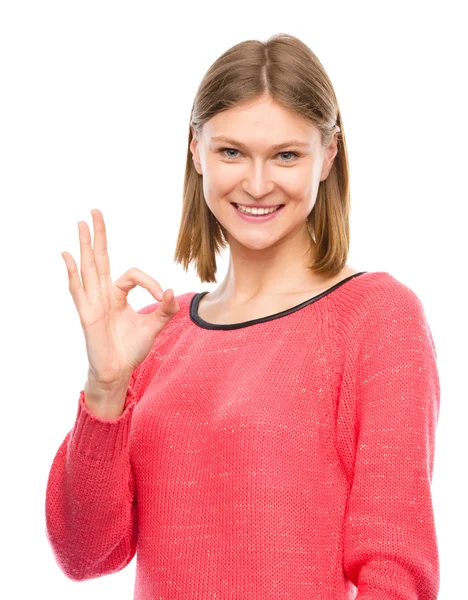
<point>273,438</point>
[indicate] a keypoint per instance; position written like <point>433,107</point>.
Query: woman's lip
<point>256,205</point>
<point>257,219</point>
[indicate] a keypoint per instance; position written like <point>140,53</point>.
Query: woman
<point>273,438</point>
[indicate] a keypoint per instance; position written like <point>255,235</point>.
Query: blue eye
<point>296,155</point>
<point>222,150</point>
<point>231,149</point>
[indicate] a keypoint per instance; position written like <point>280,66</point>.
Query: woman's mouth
<point>254,218</point>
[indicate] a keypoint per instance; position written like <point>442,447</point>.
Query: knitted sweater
<point>289,456</point>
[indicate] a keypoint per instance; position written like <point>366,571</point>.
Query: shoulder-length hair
<point>287,71</point>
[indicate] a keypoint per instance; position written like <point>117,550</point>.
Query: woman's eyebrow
<point>223,138</point>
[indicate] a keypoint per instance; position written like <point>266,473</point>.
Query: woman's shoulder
<point>377,299</point>
<point>383,286</point>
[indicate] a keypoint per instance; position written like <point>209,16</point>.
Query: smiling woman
<point>259,186</point>
<point>277,441</point>
<point>277,140</point>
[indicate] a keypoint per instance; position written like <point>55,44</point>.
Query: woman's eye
<point>229,150</point>
<point>295,155</point>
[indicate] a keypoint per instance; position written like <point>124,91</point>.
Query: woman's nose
<point>257,181</point>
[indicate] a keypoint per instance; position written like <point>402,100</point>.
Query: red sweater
<point>283,457</point>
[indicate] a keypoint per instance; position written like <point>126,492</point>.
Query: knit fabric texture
<point>284,457</point>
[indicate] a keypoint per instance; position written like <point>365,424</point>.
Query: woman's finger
<point>101,255</point>
<point>74,284</point>
<point>89,273</point>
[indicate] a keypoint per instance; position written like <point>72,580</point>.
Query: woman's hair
<point>286,70</point>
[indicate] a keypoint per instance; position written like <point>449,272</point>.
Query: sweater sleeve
<point>90,504</point>
<point>388,415</point>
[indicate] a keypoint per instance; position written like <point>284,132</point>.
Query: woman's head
<point>262,94</point>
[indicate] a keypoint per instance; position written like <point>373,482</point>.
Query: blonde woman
<point>273,438</point>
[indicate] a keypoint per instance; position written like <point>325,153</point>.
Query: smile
<point>256,218</point>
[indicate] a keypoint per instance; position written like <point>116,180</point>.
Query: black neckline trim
<point>193,311</point>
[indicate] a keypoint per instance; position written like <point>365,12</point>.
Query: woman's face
<point>246,168</point>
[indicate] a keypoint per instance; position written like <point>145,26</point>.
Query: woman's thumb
<point>168,300</point>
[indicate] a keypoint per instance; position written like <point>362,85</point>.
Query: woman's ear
<point>193,141</point>
<point>330,153</point>
<point>194,151</point>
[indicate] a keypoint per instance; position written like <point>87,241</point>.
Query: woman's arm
<point>387,419</point>
<point>90,506</point>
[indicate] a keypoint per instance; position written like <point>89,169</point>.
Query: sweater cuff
<point>98,438</point>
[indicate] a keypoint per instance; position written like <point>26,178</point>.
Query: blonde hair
<point>287,71</point>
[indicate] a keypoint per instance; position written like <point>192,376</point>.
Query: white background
<point>95,106</point>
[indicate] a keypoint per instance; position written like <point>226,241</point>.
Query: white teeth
<point>257,211</point>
